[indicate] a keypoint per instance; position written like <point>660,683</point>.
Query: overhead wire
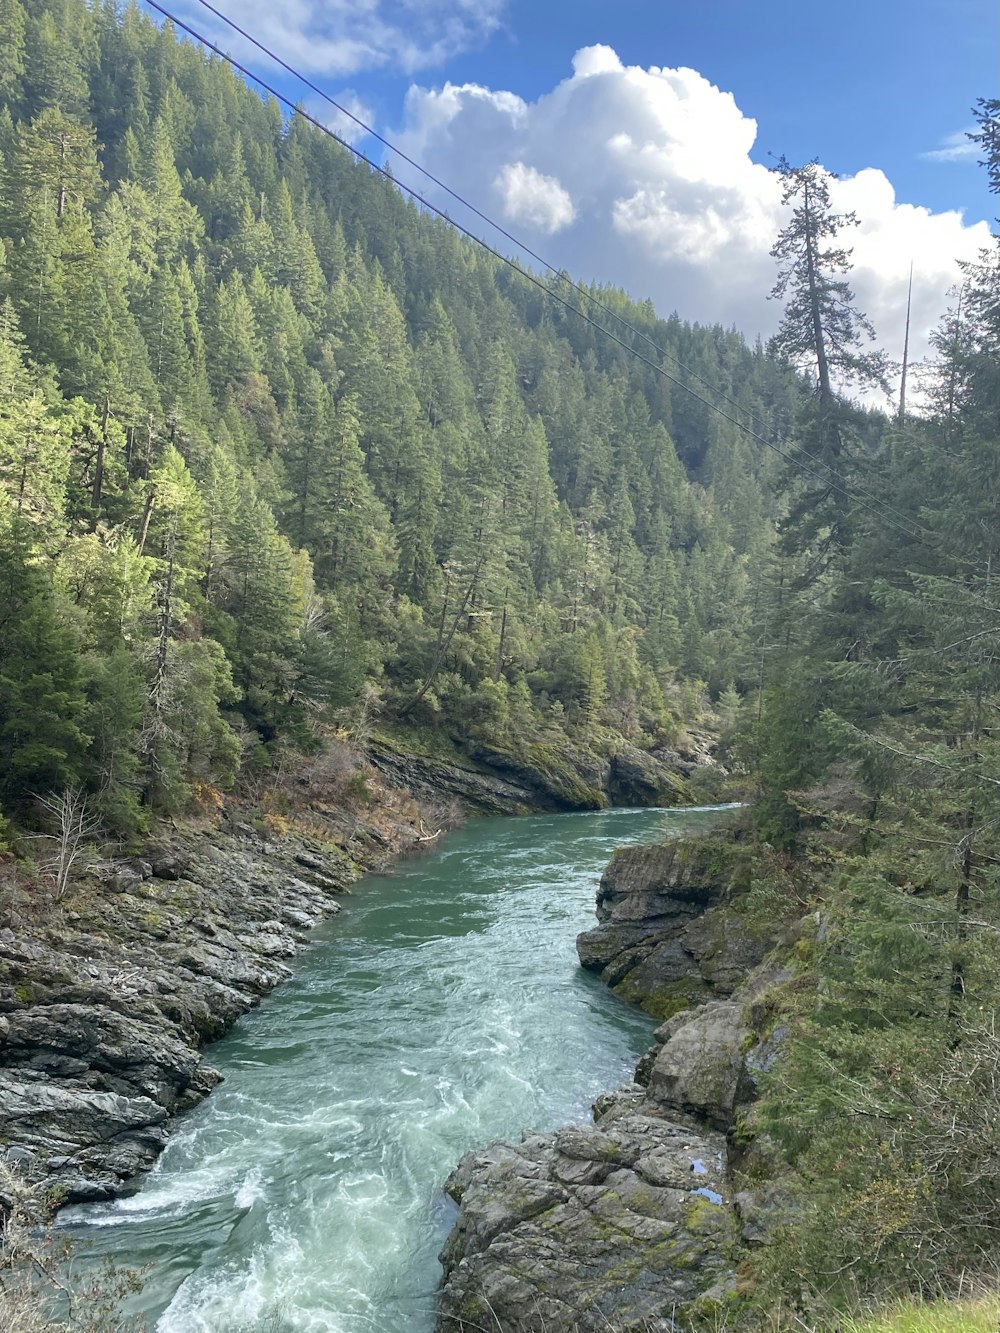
<point>559,273</point>
<point>908,527</point>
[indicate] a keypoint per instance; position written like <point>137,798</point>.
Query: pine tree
<point>41,695</point>
<point>824,334</point>
<point>12,50</point>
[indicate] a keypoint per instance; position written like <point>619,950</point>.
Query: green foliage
<point>41,694</point>
<point>876,751</point>
<point>272,466</point>
<point>973,1315</point>
<point>792,751</point>
<point>881,1114</point>
<point>824,333</point>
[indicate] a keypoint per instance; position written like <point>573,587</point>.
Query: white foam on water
<point>251,1191</point>
<point>446,1010</point>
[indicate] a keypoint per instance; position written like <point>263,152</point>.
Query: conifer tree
<point>41,695</point>
<point>12,49</point>
<point>824,334</point>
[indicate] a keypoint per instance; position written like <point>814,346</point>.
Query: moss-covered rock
<point>701,1067</point>
<point>623,1224</point>
<point>550,772</point>
<point>637,777</point>
<point>669,938</point>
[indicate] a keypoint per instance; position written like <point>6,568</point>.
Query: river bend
<point>442,1009</point>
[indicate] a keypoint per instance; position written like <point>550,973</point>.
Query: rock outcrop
<point>632,1223</point>
<point>104,1008</point>
<point>624,1224</point>
<point>484,792</point>
<point>668,936</point>
<point>544,777</point>
<point>700,1067</point>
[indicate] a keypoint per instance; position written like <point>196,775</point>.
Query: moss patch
<point>665,1001</point>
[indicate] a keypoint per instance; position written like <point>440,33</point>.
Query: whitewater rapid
<point>442,1009</point>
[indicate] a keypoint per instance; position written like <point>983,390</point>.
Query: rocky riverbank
<point>108,997</point>
<point>635,1222</point>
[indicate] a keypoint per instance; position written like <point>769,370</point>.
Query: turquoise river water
<point>442,1009</point>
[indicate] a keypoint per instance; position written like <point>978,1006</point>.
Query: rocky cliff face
<point>668,937</point>
<point>546,777</point>
<point>636,1222</point>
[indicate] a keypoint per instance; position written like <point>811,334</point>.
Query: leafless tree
<point>74,827</point>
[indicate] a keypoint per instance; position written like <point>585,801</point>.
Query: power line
<point>908,527</point>
<point>560,275</point>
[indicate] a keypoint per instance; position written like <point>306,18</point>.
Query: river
<point>442,1009</point>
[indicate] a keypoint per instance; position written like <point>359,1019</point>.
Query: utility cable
<point>559,274</point>
<point>909,530</point>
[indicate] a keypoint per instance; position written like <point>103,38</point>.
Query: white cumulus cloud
<point>343,37</point>
<point>536,200</point>
<point>646,175</point>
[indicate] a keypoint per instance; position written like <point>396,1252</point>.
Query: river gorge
<point>443,1008</point>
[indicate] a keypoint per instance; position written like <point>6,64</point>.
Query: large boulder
<point>669,937</point>
<point>627,1224</point>
<point>700,1068</point>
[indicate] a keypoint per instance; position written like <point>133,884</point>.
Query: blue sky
<point>860,84</point>
<point>627,140</point>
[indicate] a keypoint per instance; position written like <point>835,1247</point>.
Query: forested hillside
<point>282,452</point>
<point>877,830</point>
<point>277,443</point>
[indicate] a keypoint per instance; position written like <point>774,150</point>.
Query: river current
<point>442,1009</point>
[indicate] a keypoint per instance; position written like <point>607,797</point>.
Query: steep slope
<point>278,444</point>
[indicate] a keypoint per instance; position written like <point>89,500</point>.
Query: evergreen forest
<point>280,453</point>
<point>277,444</point>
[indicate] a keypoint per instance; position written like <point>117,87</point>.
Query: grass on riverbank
<point>974,1314</point>
<point>980,1315</point>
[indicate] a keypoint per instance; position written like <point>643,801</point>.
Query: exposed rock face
<point>631,1224</point>
<point>485,793</point>
<point>544,778</point>
<point>624,1224</point>
<point>103,1011</point>
<point>637,777</point>
<point>668,937</point>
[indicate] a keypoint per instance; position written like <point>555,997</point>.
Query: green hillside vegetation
<point>279,451</point>
<point>276,443</point>
<point>878,828</point>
